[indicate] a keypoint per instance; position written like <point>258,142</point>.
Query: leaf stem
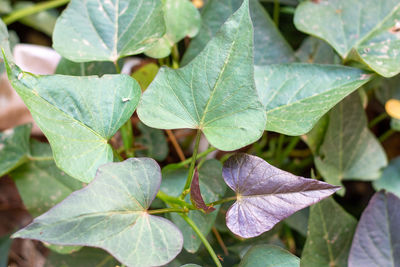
<point>175,57</point>
<point>386,135</point>
<point>174,200</point>
<point>176,145</point>
<point>18,14</point>
<point>40,158</point>
<point>222,201</point>
<point>378,119</point>
<point>200,155</point>
<point>220,240</point>
<point>203,239</point>
<point>192,165</point>
<point>166,210</point>
<point>292,144</point>
<point>276,12</point>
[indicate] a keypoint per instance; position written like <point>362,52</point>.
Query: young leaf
<point>103,30</point>
<point>85,257</point>
<point>390,178</point>
<point>376,242</point>
<point>356,30</point>
<point>214,93</point>
<point>269,45</point>
<point>296,96</point>
<point>14,148</point>
<point>67,67</point>
<point>266,195</point>
<point>78,115</point>
<point>182,19</point>
<point>40,183</point>
<point>260,255</point>
<point>195,194</point>
<point>154,143</point>
<point>330,232</point>
<point>111,213</point>
<point>349,151</point>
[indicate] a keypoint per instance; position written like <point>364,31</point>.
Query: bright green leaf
<point>86,257</point>
<point>104,30</point>
<point>390,178</point>
<point>111,213</point>
<point>296,96</point>
<point>269,256</point>
<point>330,233</point>
<point>145,75</point>
<point>78,115</point>
<point>153,141</point>
<point>214,93</point>
<point>269,45</point>
<point>14,148</point>
<point>368,30</point>
<point>349,151</point>
<point>67,67</point>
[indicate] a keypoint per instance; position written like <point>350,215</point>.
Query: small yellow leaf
<point>393,108</point>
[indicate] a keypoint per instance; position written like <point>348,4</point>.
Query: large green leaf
<point>330,232</point>
<point>349,150</point>
<point>269,256</point>
<point>390,178</point>
<point>14,148</point>
<point>182,19</point>
<point>86,257</point>
<point>214,93</point>
<point>40,183</point>
<point>111,213</point>
<point>106,30</point>
<point>269,45</point>
<point>77,114</point>
<point>67,67</point>
<point>365,30</point>
<point>295,96</point>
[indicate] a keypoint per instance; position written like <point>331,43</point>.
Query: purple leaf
<point>376,242</point>
<point>266,194</point>
<point>195,194</point>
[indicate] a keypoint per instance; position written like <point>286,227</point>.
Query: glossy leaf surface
<point>115,220</point>
<point>330,233</point>
<point>296,96</point>
<point>266,194</point>
<point>78,115</point>
<point>377,238</point>
<point>365,30</point>
<point>67,67</point>
<point>390,178</point>
<point>269,256</point>
<point>214,93</point>
<point>105,30</point>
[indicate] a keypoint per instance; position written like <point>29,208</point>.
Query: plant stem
<point>18,14</point>
<point>203,239</point>
<point>222,201</point>
<point>276,12</point>
<point>200,155</point>
<point>127,138</point>
<point>192,165</point>
<point>40,158</point>
<point>176,145</point>
<point>175,57</point>
<point>166,210</point>
<point>174,200</point>
<point>220,241</point>
<point>378,119</point>
<point>292,144</point>
<point>386,135</point>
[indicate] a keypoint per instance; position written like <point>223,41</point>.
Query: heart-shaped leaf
<point>296,96</point>
<point>260,255</point>
<point>376,242</point>
<point>111,213</point>
<point>356,30</point>
<point>78,115</point>
<point>269,45</point>
<point>67,67</point>
<point>266,194</point>
<point>330,232</point>
<point>14,148</point>
<point>390,178</point>
<point>214,93</point>
<point>104,30</point>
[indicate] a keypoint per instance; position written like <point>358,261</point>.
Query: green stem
<point>175,57</point>
<point>386,135</point>
<point>222,201</point>
<point>200,155</point>
<point>192,165</point>
<point>276,12</point>
<point>174,200</point>
<point>278,154</point>
<point>292,144</point>
<point>127,138</point>
<point>203,239</point>
<point>18,14</point>
<point>288,10</point>
<point>166,210</point>
<point>40,158</point>
<point>378,119</point>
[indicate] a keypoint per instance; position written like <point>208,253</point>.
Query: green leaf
<point>313,50</point>
<point>85,257</point>
<point>111,213</point>
<point>390,178</point>
<point>299,221</point>
<point>350,151</point>
<point>212,188</point>
<point>295,96</point>
<point>145,75</point>
<point>330,233</point>
<point>14,148</point>
<point>67,67</point>
<point>78,115</point>
<point>368,31</point>
<point>40,183</point>
<point>4,42</point>
<point>269,45</point>
<point>269,256</point>
<point>214,93</point>
<point>5,6</point>
<point>154,142</point>
<point>182,19</point>
<point>63,249</point>
<point>103,30</point>
<point>5,245</point>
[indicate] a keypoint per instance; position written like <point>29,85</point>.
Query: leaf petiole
<point>166,210</point>
<point>222,201</point>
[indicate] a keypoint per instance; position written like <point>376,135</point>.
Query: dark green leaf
<point>390,178</point>
<point>86,257</point>
<point>153,141</point>
<point>269,256</point>
<point>5,244</point>
<point>67,67</point>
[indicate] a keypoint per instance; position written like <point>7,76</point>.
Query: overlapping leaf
<point>365,30</point>
<point>153,141</point>
<point>296,96</point>
<point>214,93</point>
<point>314,50</point>
<point>390,178</point>
<point>67,67</point>
<point>78,115</point>
<point>85,257</point>
<point>376,242</point>
<point>269,255</point>
<point>349,150</point>
<point>266,195</point>
<point>111,213</point>
<point>330,232</point>
<point>106,30</point>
